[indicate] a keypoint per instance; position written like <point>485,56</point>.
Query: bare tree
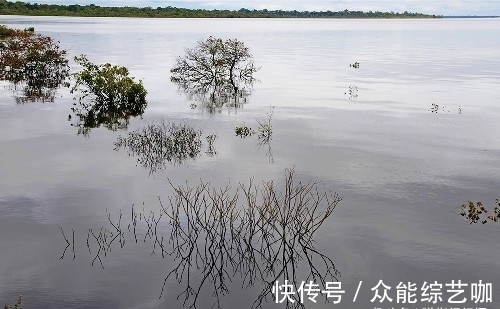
<point>215,72</point>
<point>261,233</point>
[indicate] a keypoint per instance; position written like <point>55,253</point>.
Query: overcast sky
<point>443,7</point>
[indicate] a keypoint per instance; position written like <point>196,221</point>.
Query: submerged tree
<point>216,72</point>
<point>34,64</point>
<point>106,96</point>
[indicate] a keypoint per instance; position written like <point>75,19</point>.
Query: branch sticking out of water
<point>259,232</point>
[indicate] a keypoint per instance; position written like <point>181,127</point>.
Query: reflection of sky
<point>445,7</point>
<point>402,170</point>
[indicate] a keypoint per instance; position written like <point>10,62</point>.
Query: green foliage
<point>107,83</point>
<point>32,62</point>
<point>106,95</point>
<point>18,305</point>
<point>23,8</point>
<point>6,31</point>
<point>475,212</point>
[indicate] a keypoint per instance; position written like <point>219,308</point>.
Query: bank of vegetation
<point>24,8</point>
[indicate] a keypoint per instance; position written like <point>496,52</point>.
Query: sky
<point>438,7</point>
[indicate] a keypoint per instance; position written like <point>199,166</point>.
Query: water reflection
<point>215,73</point>
<point>112,115</point>
<point>212,98</point>
<point>211,151</point>
<point>265,136</point>
<point>352,92</point>
<point>34,65</point>
<point>259,232</point>
<point>157,145</point>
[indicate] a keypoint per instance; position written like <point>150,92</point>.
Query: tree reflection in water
<point>259,232</point>
<point>114,116</point>
<point>156,145</point>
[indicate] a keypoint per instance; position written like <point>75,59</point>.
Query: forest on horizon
<point>92,10</point>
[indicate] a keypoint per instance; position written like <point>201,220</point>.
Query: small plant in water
<point>18,305</point>
<point>265,128</point>
<point>243,131</point>
<point>211,149</point>
<point>352,92</point>
<point>434,108</point>
<point>475,212</point>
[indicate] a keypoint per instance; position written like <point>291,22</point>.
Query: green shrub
<point>106,95</point>
<point>107,84</point>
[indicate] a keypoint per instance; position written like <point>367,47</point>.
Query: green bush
<point>106,95</point>
<point>107,84</point>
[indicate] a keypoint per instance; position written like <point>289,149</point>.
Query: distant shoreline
<point>91,10</point>
<point>467,16</point>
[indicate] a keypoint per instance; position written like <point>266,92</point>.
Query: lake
<point>372,134</point>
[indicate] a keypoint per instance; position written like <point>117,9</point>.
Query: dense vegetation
<point>105,95</point>
<point>23,8</point>
<point>33,63</point>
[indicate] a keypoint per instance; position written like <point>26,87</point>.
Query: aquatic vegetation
<point>266,134</point>
<point>352,92</point>
<point>33,64</point>
<point>216,73</point>
<point>354,65</point>
<point>435,108</point>
<point>158,144</point>
<point>211,149</point>
<point>257,233</point>
<point>243,131</point>
<point>107,96</point>
<point>18,305</point>
<point>265,128</point>
<point>475,212</point>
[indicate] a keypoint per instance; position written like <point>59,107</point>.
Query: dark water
<point>402,170</point>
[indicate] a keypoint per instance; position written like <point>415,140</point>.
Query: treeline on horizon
<point>24,8</point>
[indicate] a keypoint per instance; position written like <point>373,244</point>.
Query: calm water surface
<point>402,170</point>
